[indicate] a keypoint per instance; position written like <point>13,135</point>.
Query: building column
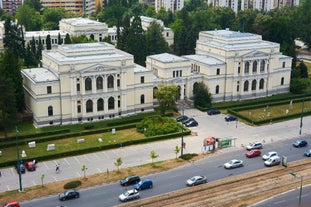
<point>82,85</point>
<point>93,78</point>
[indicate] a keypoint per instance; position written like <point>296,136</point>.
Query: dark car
<point>144,184</point>
<point>253,153</point>
<point>300,143</point>
<point>20,167</point>
<point>231,118</point>
<point>188,120</point>
<point>182,118</point>
<point>130,180</point>
<point>213,112</point>
<point>69,194</point>
<point>30,165</point>
<point>192,123</point>
<point>307,153</point>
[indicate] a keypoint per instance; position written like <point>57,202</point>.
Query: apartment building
<point>172,5</point>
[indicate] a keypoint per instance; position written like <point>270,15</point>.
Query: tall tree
<point>67,39</point>
<point>48,42</point>
<point>121,36</point>
<point>202,96</point>
<point>155,41</point>
<point>167,97</point>
<point>59,39</point>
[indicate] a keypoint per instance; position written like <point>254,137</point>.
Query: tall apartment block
<point>10,6</point>
<point>173,5</point>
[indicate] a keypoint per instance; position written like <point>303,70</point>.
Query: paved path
<point>139,154</point>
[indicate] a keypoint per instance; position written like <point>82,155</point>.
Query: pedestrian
<point>57,168</point>
<point>184,145</point>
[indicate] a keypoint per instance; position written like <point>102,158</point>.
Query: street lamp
<point>301,116</point>
<point>182,136</point>
<point>18,163</point>
<point>300,191</point>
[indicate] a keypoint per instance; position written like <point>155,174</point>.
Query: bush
<point>72,184</point>
<point>188,156</point>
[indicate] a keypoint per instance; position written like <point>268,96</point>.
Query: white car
<point>254,145</point>
<point>129,195</point>
<point>233,164</point>
<point>272,161</point>
<point>269,154</point>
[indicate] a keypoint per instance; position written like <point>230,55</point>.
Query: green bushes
<point>188,156</point>
<point>72,184</point>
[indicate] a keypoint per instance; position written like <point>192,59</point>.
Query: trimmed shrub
<point>72,184</point>
<point>188,156</point>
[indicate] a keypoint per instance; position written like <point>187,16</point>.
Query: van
<point>272,161</point>
<point>144,184</point>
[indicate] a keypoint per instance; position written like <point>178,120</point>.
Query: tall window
<point>174,74</point>
<point>99,83</point>
<point>283,64</point>
<point>218,71</point>
<point>88,84</point>
<point>180,73</point>
<point>111,103</point>
<point>238,86</point>
<point>79,109</point>
<point>110,81</point>
<point>262,66</point>
<point>217,89</point>
<point>246,86</point>
<point>142,79</point>
<point>255,67</point>
<point>261,83</point>
<point>49,89</point>
<point>282,81</point>
<point>142,99</point>
<point>254,83</point>
<point>50,110</point>
<point>100,104</point>
<point>89,106</point>
<point>246,69</point>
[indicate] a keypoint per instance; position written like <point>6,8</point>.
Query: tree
<point>177,150</point>
<point>51,17</point>
<point>155,41</point>
<point>118,162</point>
<point>84,168</point>
<point>202,96</point>
<point>67,39</point>
<point>36,4</point>
<point>48,42</point>
<point>167,97</point>
<point>153,155</point>
<point>303,70</point>
<point>59,39</point>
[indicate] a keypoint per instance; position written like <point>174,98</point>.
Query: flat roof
<point>82,21</point>
<point>166,57</point>
<point>205,59</point>
<point>38,75</point>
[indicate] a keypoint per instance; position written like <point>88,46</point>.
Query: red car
<point>253,153</point>
<point>30,166</point>
<point>11,204</point>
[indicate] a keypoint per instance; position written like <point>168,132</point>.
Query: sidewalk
<point>99,162</point>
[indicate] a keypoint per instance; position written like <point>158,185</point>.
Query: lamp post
<point>18,163</point>
<point>300,191</point>
<point>302,107</point>
<point>182,136</point>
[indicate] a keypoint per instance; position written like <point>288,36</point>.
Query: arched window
<point>246,69</point>
<point>99,83</point>
<point>111,103</point>
<point>254,83</point>
<point>262,66</point>
<point>89,106</point>
<point>88,84</point>
<point>195,87</point>
<point>217,89</point>
<point>261,83</point>
<point>50,110</point>
<point>255,67</point>
<point>100,104</point>
<point>110,81</point>
<point>142,99</point>
<point>155,89</point>
<point>92,37</point>
<point>282,81</point>
<point>246,86</point>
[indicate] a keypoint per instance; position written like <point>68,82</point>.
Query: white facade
<point>173,5</point>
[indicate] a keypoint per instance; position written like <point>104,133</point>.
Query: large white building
<point>89,82</point>
<point>172,5</point>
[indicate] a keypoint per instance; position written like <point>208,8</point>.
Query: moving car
<point>272,161</point>
<point>307,153</point>
<point>30,166</point>
<point>129,195</point>
<point>69,194</point>
<point>144,184</point>
<point>253,153</point>
<point>300,143</point>
<point>213,112</point>
<point>192,123</point>
<point>182,118</point>
<point>196,180</point>
<point>269,154</point>
<point>233,164</point>
<point>254,145</point>
<point>130,180</point>
<point>231,118</point>
<point>11,204</point>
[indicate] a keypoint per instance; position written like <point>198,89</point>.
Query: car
<point>272,161</point>
<point>188,120</point>
<point>253,153</point>
<point>20,167</point>
<point>144,184</point>
<point>213,112</point>
<point>11,204</point>
<point>269,154</point>
<point>231,118</point>
<point>182,118</point>
<point>300,143</point>
<point>307,153</point>
<point>129,195</point>
<point>196,180</point>
<point>254,145</point>
<point>69,194</point>
<point>233,164</point>
<point>30,166</point>
<point>130,180</point>
<point>192,123</point>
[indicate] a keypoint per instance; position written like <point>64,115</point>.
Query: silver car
<point>129,195</point>
<point>233,164</point>
<point>269,154</point>
<point>196,180</point>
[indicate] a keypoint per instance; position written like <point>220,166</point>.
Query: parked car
<point>129,195</point>
<point>254,145</point>
<point>11,204</point>
<point>231,118</point>
<point>233,164</point>
<point>269,154</point>
<point>272,161</point>
<point>30,166</point>
<point>188,120</point>
<point>300,143</point>
<point>182,118</point>
<point>213,112</point>
<point>253,153</point>
<point>69,194</point>
<point>307,153</point>
<point>196,180</point>
<point>192,123</point>
<point>144,184</point>
<point>130,180</point>
<point>20,167</point>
